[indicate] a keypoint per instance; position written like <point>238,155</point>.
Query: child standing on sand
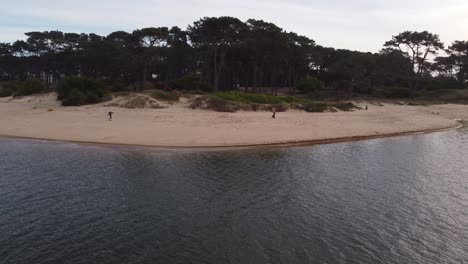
<point>273,110</point>
<point>110,115</point>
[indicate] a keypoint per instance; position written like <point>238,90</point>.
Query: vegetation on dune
<point>316,107</point>
<point>164,95</point>
<point>30,87</point>
<point>443,96</point>
<point>329,106</point>
<point>250,98</point>
<point>215,103</point>
<point>5,91</point>
<point>343,106</point>
<point>22,88</point>
<point>133,101</point>
<point>235,101</point>
<point>397,92</point>
<point>75,91</point>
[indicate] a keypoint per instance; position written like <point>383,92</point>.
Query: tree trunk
<point>218,68</point>
<point>260,79</point>
<point>215,70</point>
<point>255,74</point>
<point>145,70</point>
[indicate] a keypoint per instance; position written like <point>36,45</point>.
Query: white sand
<point>178,126</point>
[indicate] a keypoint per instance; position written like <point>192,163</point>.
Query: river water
<point>394,200</point>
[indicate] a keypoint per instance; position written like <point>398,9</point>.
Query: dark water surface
<point>397,200</point>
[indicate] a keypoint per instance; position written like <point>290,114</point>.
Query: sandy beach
<point>42,117</point>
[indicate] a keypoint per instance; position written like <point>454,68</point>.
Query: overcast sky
<point>353,24</point>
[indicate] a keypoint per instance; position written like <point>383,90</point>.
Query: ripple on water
<point>399,200</point>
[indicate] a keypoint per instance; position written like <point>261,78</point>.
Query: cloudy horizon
<point>361,25</point>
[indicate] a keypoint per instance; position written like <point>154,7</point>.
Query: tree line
<point>227,53</point>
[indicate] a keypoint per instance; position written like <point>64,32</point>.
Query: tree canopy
<point>228,53</point>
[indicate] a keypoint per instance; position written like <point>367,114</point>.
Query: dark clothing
<point>110,115</point>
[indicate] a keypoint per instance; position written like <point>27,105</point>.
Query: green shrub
<point>21,88</point>
<point>222,105</point>
<point>397,92</point>
<point>344,106</point>
<point>440,83</point>
<point>116,85</point>
<point>445,95</point>
<point>189,82</point>
<point>250,98</point>
<point>308,85</point>
<point>164,96</point>
<point>214,103</point>
<point>5,91</point>
<point>316,107</point>
<point>30,87</point>
<point>12,86</point>
<point>140,86</point>
<point>73,91</point>
<point>74,97</point>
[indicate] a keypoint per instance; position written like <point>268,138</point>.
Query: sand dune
<point>177,126</point>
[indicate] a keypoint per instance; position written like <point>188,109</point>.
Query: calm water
<point>399,200</point>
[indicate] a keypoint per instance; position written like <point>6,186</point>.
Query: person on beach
<point>273,110</point>
<point>110,115</point>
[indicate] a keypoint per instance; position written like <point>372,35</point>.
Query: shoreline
<point>303,143</point>
<point>178,127</point>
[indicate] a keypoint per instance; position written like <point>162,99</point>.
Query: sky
<point>362,25</point>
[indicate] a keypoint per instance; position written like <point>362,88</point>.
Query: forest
<point>224,53</point>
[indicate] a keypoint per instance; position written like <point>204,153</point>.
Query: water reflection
<point>397,200</point>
